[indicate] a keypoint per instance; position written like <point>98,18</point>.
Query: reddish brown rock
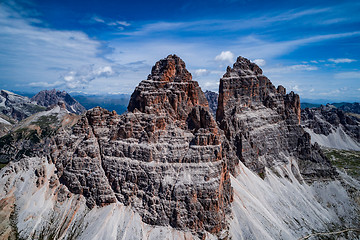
<point>164,157</point>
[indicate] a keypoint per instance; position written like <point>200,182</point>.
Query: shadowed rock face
<point>164,157</point>
<point>212,98</point>
<point>262,123</point>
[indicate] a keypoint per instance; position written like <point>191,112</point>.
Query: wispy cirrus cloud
<point>228,25</point>
<point>292,68</point>
<point>341,60</point>
<point>348,75</point>
<point>118,24</point>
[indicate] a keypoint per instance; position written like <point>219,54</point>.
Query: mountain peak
<point>168,89</point>
<point>52,97</point>
<point>170,69</point>
<point>243,66</point>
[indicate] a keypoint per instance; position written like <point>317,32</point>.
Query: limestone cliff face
<point>261,123</point>
<point>164,157</point>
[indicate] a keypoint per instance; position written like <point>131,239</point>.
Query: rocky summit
<point>261,123</point>
<point>50,98</point>
<point>167,169</point>
<point>164,157</point>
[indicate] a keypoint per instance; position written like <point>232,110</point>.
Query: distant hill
<point>345,106</point>
<point>348,107</point>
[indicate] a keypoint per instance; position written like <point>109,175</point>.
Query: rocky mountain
<point>212,98</point>
<point>332,127</point>
<point>17,107</point>
<point>163,157</point>
<point>52,97</point>
<point>6,123</point>
<point>167,170</point>
<point>262,123</point>
<point>27,138</point>
<point>350,107</point>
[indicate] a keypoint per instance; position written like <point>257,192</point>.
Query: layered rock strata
<point>261,123</point>
<point>164,157</point>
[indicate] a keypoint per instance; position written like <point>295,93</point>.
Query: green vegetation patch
<point>345,160</point>
<point>32,108</point>
<point>46,121</point>
<point>2,165</point>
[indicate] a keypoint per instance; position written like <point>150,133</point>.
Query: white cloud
<point>201,72</point>
<point>347,75</point>
<point>314,61</point>
<point>118,24</point>
<point>81,77</point>
<point>260,62</point>
<point>46,84</point>
<point>296,88</point>
<point>292,68</point>
<point>97,19</point>
<point>331,93</point>
<point>211,84</point>
<point>341,60</point>
<point>123,23</point>
<point>225,56</point>
<point>332,21</point>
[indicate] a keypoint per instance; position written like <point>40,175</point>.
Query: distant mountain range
<point>345,106</point>
<point>118,103</point>
<point>333,127</point>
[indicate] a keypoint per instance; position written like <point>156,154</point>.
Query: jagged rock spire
<point>169,89</point>
<point>262,122</point>
<point>170,69</point>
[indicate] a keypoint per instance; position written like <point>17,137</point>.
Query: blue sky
<point>108,47</point>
